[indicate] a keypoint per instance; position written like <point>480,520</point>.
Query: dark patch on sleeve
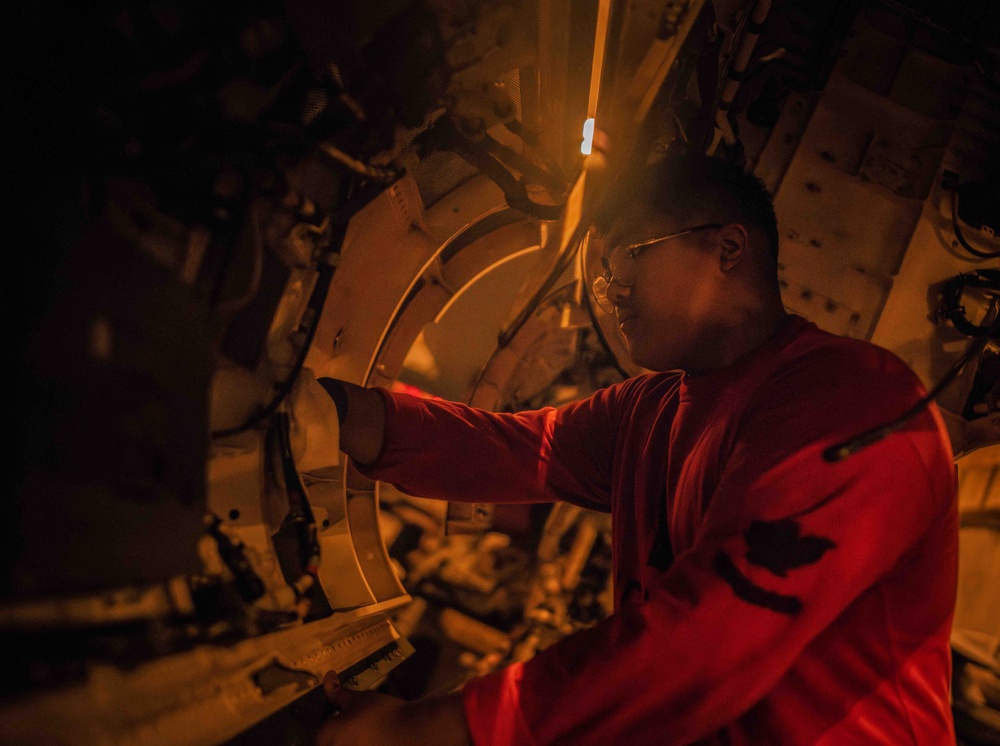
<point>751,593</point>
<point>661,554</point>
<point>778,546</point>
<point>632,587</point>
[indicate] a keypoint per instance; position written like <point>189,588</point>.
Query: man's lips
<point>624,315</point>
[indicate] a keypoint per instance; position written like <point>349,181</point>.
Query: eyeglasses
<point>619,265</point>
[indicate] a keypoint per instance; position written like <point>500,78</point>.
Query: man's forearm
<point>362,419</point>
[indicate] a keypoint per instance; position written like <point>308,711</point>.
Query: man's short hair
<point>693,187</point>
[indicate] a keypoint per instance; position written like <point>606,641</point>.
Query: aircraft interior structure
<point>223,197</point>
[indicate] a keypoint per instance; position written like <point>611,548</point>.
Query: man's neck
<point>731,339</point>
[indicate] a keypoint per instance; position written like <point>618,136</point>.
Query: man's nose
<point>616,292</point>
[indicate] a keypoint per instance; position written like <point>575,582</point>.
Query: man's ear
<point>734,244</point>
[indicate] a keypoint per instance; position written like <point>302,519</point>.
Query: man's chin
<point>647,361</point>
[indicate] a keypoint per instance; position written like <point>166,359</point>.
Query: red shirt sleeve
<point>788,543</point>
<point>451,451</point>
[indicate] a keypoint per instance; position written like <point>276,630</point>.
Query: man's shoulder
<point>838,360</point>
<point>651,385</point>
<point>826,388</point>
<point>640,391</point>
<point>836,379</point>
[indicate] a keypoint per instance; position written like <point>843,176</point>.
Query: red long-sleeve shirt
<point>808,602</point>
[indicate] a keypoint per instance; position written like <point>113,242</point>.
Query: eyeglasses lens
<point>619,267</point>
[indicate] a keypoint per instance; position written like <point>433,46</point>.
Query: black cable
<point>958,231</point>
<point>233,554</point>
<point>537,175</point>
<point>951,307</point>
<point>339,219</point>
<point>300,511</point>
<point>953,311</point>
<point>849,447</point>
<point>316,303</point>
<point>507,335</point>
<point>445,135</point>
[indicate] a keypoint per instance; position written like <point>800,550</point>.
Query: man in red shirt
<point>764,594</point>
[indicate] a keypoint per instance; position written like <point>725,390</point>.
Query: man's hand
<point>329,416</point>
<point>370,719</point>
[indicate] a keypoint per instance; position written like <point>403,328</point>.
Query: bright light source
<point>588,137</point>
